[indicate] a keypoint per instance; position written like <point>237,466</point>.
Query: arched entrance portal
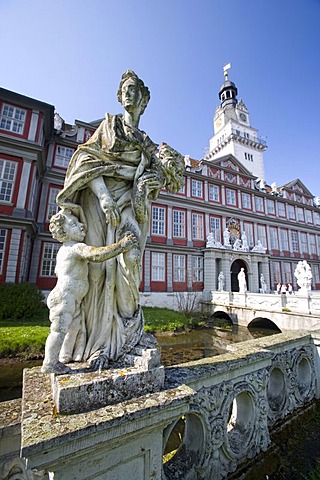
<point>235,269</point>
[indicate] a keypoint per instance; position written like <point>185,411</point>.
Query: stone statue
<point>259,248</point>
<point>242,281</point>
<point>237,245</point>
<point>244,240</point>
<point>263,283</point>
<point>303,275</point>
<point>290,289</point>
<point>64,301</point>
<point>226,238</point>
<point>278,288</point>
<point>212,242</point>
<point>221,281</point>
<point>113,177</point>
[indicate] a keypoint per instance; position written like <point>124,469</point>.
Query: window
<point>316,273</point>
<point>274,243</point>
<point>287,276</point>
<point>300,214</point>
<point>7,177</point>
<point>291,212</point>
<point>271,209</point>
<point>63,156</point>
<point>246,200</point>
<point>317,218</point>
<point>276,272</point>
<point>284,239</point>
<point>52,206</point>
<point>281,209</point>
<point>262,235</point>
<point>12,119</point>
<point>3,236</point>
<point>231,197</point>
<point>158,267</point>
<point>197,226</point>
<point>248,228</point>
<point>196,189</point>
<point>309,216</point>
<point>214,193</point>
<point>304,242</point>
<point>294,241</point>
<point>49,259</point>
<point>312,243</point>
<point>197,269</point>
<point>259,204</point>
<point>179,224</point>
<point>248,156</point>
<point>158,221</point>
<point>215,228</point>
<point>179,268</point>
<point>182,189</point>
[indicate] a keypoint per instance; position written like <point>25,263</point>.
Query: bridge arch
<point>220,314</point>
<point>263,322</point>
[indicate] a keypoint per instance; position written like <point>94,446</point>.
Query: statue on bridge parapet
<point>113,177</point>
<point>303,275</point>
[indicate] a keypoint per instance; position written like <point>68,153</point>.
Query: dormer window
<point>12,119</point>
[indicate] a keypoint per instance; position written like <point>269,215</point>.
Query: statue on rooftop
<point>113,177</point>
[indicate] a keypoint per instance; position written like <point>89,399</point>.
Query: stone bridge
<point>218,413</point>
<point>286,312</point>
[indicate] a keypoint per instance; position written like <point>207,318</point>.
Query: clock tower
<point>233,133</point>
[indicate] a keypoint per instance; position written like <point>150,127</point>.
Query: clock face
<point>243,117</point>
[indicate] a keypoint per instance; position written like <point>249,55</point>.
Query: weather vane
<point>225,70</point>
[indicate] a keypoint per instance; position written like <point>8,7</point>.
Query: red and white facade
<point>35,149</point>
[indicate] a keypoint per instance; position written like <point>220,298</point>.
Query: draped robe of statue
<point>111,315</point>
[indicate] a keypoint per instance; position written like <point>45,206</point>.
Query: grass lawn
<point>26,338</point>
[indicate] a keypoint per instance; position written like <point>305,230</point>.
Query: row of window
<point>278,237</point>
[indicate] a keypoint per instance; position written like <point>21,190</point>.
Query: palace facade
<point>224,218</point>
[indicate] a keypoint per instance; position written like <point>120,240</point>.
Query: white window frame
<point>259,204</point>
<point>300,214</point>
<point>246,200</point>
<point>304,242</point>
<point>63,156</point>
<point>274,240</point>
<point>312,244</point>
<point>158,226</point>
<point>262,235</point>
<point>231,197</point>
<point>196,188</point>
<point>214,193</point>
<point>215,228</point>
<point>3,241</point>
<point>276,269</point>
<point>13,119</point>
<point>284,241</point>
<point>197,226</point>
<point>8,173</point>
<point>294,241</point>
<point>291,212</point>
<point>271,207</point>
<point>52,207</point>
<point>316,273</point>
<point>48,261</point>
<point>248,228</point>
<point>287,272</point>
<point>197,269</point>
<point>178,223</point>
<point>158,267</point>
<point>179,268</point>
<point>281,209</point>
<point>309,218</point>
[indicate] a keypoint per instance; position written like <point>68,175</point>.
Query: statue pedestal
<point>86,390</point>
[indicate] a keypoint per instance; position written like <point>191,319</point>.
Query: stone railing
<point>296,303</point>
<point>217,411</point>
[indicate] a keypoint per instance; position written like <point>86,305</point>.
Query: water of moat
<point>175,348</point>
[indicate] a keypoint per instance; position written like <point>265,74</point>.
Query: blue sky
<point>71,53</point>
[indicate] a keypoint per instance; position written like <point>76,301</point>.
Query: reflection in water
<point>184,347</point>
<point>175,348</point>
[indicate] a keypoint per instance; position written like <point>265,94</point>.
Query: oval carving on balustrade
<point>276,390</point>
<point>183,442</point>
<point>305,375</point>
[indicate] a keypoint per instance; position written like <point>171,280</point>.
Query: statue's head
<point>129,75</point>
<point>65,226</point>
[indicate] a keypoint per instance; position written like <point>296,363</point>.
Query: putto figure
<point>113,177</point>
<point>64,301</point>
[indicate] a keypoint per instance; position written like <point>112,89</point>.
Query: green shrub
<point>19,300</point>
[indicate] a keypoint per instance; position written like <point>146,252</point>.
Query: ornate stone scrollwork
<point>15,469</point>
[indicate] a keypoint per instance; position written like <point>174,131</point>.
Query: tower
<point>233,133</point>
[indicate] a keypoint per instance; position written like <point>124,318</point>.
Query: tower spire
<point>225,71</point>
